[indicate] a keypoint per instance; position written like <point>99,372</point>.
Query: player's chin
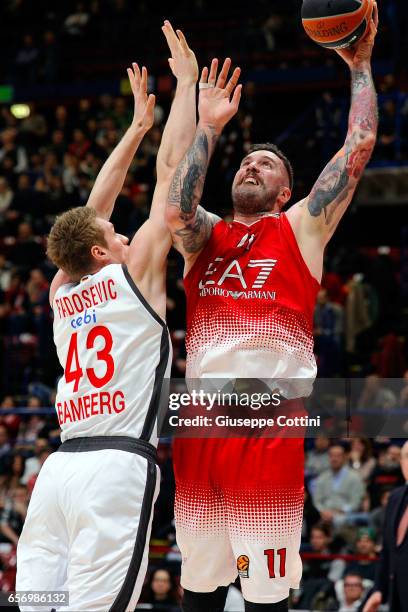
<point>249,199</point>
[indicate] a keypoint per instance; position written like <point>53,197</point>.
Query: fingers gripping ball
<point>336,24</point>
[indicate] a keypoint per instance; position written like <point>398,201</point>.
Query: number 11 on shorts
<point>270,554</point>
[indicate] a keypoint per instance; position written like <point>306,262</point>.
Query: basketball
<point>336,24</point>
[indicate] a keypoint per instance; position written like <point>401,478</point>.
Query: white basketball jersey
<point>115,352</point>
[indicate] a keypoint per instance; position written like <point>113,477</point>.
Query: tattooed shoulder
<point>194,235</point>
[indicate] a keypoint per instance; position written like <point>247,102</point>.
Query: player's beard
<point>253,199</point>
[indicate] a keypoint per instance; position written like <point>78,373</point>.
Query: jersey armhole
<point>141,298</point>
<point>291,239</point>
<point>190,273</point>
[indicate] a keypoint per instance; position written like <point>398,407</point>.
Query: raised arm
<point>111,177</point>
<point>151,244</point>
<point>180,127</point>
<point>315,218</point>
<point>189,224</point>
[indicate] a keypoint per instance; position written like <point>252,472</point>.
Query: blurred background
<point>65,103</point>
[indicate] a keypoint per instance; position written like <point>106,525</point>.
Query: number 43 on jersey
<point>73,370</point>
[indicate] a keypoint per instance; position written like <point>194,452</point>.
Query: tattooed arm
<point>189,224</point>
<point>315,218</point>
<point>150,246</point>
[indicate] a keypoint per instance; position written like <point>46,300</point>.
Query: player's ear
<point>284,196</point>
<point>98,252</point>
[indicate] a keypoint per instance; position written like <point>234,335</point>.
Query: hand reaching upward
<point>182,62</point>
<point>360,54</point>
<point>215,104</point>
<point>143,115</point>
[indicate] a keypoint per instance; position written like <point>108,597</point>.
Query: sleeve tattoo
<point>186,190</point>
<point>343,172</point>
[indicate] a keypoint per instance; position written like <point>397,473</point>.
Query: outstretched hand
<point>215,104</point>
<point>360,54</point>
<point>182,62</point>
<point>143,115</point>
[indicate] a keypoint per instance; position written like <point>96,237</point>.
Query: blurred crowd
<point>44,40</point>
<point>48,163</point>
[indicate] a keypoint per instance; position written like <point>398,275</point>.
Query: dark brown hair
<point>268,146</point>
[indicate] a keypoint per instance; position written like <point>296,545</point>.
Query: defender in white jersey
<point>89,519</point>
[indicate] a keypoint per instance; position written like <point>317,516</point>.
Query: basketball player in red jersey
<point>251,286</point>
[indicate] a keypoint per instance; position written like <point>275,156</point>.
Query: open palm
<point>215,104</point>
<point>143,116</point>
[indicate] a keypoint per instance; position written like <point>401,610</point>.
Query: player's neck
<point>249,219</point>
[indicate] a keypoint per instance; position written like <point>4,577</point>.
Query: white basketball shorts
<point>88,524</point>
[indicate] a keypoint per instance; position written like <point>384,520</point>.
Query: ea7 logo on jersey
<point>265,268</point>
<point>234,271</point>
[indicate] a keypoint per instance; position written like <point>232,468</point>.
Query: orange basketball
<point>242,563</point>
<point>336,24</point>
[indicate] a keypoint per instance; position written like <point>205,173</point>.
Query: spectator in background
<point>389,361</point>
<point>386,474</point>
<point>366,547</point>
<point>26,61</point>
<point>375,395</point>
<point>27,251</point>
<point>70,173</point>
<point>376,520</point>
<point>37,287</point>
<point>319,574</point>
<point>43,455</point>
<point>17,307</point>
<point>49,63</point>
<point>387,131</point>
<point>339,490</point>
<point>161,590</point>
<point>75,24</point>
<point>14,513</point>
<point>361,457</point>
<point>5,273</point>
<point>6,198</point>
<point>5,450</point>
<point>24,201</point>
<point>357,312</point>
<point>62,121</point>
<point>350,593</point>
<point>10,421</point>
<point>16,470</point>
<point>317,459</point>
<point>57,145</point>
<point>34,128</point>
<point>33,465</point>
<point>12,151</point>
<point>31,426</point>
<point>80,145</point>
<point>328,331</point>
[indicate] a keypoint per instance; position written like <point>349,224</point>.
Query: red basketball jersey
<point>250,301</point>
